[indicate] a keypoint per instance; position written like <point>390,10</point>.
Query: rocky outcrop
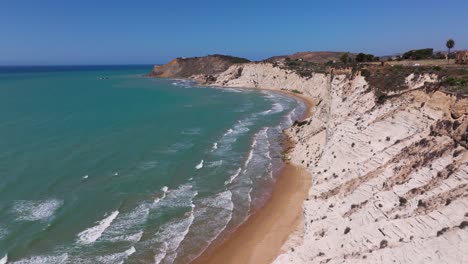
<point>186,67</point>
<point>390,179</point>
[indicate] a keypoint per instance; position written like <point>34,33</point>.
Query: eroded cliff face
<point>186,67</point>
<point>390,180</point>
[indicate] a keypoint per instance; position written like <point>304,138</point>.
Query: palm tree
<point>450,44</point>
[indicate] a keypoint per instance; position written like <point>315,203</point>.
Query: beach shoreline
<point>261,237</point>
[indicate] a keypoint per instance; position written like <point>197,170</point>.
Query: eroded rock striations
<point>390,179</point>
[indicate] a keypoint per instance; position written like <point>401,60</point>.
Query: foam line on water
<point>219,207</point>
<point>216,163</point>
<point>117,258</point>
<point>42,260</point>
<point>233,177</point>
<point>92,234</point>
<point>199,165</point>
<point>170,236</point>
<point>4,259</point>
<point>36,210</point>
<point>129,226</point>
<point>215,146</point>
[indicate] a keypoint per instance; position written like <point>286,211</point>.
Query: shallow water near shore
<point>102,165</point>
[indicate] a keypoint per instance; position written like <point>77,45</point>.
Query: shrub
<point>383,243</point>
<point>463,224</point>
<point>346,231</point>
<point>296,91</point>
<point>403,200</point>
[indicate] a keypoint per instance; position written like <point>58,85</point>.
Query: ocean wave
<point>215,146</point>
<point>199,165</point>
<point>183,83</point>
<point>131,237</point>
<point>233,177</point>
<point>192,131</point>
<point>117,258</point>
<point>92,234</point>
<point>276,108</point>
<point>228,132</point>
<point>127,226</point>
<point>170,236</point>
<point>179,146</point>
<point>147,165</point>
<point>216,163</point>
<point>215,212</point>
<point>42,260</point>
<point>3,233</point>
<point>250,155</point>
<point>36,210</point>
<point>4,259</point>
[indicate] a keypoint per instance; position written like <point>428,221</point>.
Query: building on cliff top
<point>461,57</point>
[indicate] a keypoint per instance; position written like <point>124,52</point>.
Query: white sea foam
<point>164,189</point>
<point>85,177</point>
<point>36,210</point>
<point>180,197</point>
<point>216,210</point>
<point>277,108</point>
<point>4,260</point>
<point>148,165</point>
<point>214,163</point>
<point>92,234</point>
<point>117,258</point>
<point>42,260</point>
<point>199,165</point>
<point>128,226</point>
<point>131,237</point>
<point>170,236</point>
<point>249,157</point>
<point>215,146</point>
<point>228,132</point>
<point>233,177</point>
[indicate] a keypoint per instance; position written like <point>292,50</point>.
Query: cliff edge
<point>187,67</point>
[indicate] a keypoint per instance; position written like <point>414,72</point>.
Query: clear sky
<point>152,31</point>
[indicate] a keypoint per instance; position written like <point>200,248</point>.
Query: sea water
<point>104,165</point>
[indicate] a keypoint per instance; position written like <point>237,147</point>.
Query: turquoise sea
<point>103,165</point>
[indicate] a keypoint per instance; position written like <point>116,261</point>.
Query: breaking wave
<point>92,234</point>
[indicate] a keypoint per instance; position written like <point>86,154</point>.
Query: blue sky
<point>151,31</point>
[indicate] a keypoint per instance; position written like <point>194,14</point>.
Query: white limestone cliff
<point>389,181</point>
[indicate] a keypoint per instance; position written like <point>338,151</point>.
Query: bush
<point>419,54</point>
<point>346,231</point>
<point>403,200</point>
<point>296,91</point>
<point>383,243</point>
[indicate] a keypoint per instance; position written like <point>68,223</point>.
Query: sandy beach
<point>261,237</point>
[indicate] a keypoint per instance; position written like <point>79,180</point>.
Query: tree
<point>361,57</point>
<point>344,58</point>
<point>450,44</point>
